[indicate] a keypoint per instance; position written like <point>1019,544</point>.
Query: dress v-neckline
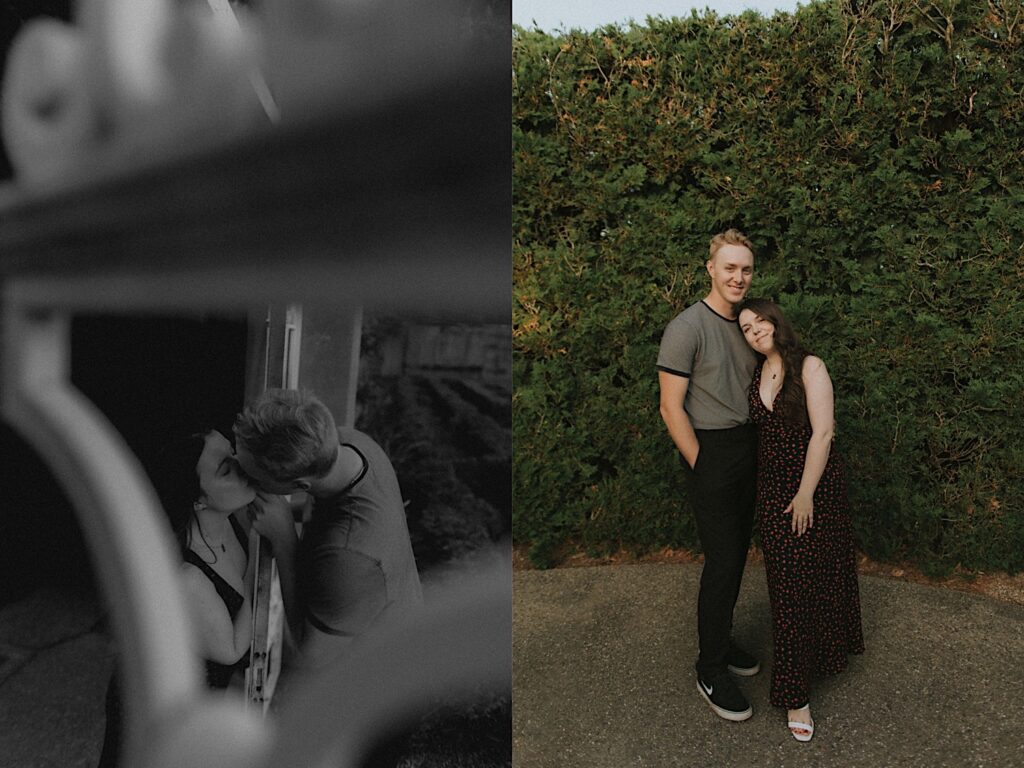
<point>769,408</point>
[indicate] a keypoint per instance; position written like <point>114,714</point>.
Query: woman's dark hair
<point>176,481</point>
<point>792,403</point>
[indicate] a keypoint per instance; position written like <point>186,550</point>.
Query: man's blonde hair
<point>729,237</point>
<point>289,434</point>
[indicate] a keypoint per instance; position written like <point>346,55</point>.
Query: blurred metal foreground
<point>400,205</point>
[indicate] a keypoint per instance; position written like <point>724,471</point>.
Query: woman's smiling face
<point>759,332</point>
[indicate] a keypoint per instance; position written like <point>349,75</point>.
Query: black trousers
<point>722,487</point>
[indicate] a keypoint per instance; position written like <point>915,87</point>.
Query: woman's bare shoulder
<point>814,366</point>
<point>193,578</point>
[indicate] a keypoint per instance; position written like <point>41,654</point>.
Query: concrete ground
<point>603,676</point>
<point>56,660</point>
<point>54,665</point>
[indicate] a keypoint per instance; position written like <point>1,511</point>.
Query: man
<point>354,568</point>
<point>704,370</point>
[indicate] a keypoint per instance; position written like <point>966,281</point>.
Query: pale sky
<point>551,15</point>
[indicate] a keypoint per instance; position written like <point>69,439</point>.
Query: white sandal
<point>809,727</point>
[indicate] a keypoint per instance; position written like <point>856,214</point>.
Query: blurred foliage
<point>873,152</point>
<point>475,734</point>
<point>450,442</point>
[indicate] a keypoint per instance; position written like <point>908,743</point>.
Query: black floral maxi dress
<point>812,579</point>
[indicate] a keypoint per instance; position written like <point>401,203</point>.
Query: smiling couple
<point>751,414</point>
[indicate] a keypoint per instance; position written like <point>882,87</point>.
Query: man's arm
<point>346,595</point>
<point>673,392</point>
<point>320,649</point>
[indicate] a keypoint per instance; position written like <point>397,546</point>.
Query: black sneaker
<point>741,663</point>
<point>724,697</point>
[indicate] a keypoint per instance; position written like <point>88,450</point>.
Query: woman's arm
<point>219,638</point>
<point>820,412</point>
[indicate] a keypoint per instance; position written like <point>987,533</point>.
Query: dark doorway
<point>154,378</point>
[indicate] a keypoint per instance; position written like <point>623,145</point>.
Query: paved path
<point>54,665</point>
<point>602,677</point>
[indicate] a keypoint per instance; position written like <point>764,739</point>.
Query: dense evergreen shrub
<point>874,152</point>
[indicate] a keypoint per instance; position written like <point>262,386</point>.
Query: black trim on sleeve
<point>673,371</point>
<point>325,629</point>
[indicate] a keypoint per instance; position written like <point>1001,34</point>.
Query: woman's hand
<point>802,507</point>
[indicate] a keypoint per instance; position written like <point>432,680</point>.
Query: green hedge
<point>875,155</point>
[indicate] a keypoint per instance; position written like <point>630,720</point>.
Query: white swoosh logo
<point>707,690</point>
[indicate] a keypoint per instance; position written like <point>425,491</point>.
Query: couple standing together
<point>751,413</point>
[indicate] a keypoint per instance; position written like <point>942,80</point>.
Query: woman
<point>217,573</point>
<point>803,513</point>
<point>202,490</point>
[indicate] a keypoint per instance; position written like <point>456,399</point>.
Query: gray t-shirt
<point>711,352</point>
<point>357,568</point>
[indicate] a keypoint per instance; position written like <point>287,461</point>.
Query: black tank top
<point>219,675</point>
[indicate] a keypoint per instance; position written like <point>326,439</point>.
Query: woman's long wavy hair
<point>792,402</point>
<point>176,481</point>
